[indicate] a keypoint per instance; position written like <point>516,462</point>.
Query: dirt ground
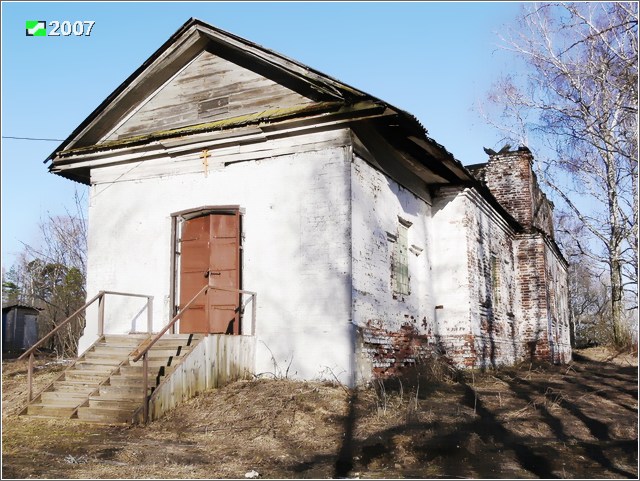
<point>573,421</point>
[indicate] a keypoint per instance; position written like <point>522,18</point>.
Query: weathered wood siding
<point>210,88</point>
<point>217,360</point>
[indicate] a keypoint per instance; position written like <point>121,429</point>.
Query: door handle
<point>209,273</point>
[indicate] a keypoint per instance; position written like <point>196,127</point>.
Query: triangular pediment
<point>208,89</point>
<point>201,75</point>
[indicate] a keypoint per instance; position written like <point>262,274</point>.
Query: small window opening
<point>495,280</point>
<point>400,265</point>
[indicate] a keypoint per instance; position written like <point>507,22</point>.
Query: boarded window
<point>495,280</point>
<point>400,264</point>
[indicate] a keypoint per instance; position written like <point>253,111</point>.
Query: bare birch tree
<point>589,297</point>
<point>576,106</point>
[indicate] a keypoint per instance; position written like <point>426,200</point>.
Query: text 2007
<point>67,28</point>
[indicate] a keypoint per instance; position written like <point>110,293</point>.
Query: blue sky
<point>433,59</point>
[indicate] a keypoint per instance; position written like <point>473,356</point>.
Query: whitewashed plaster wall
<point>377,204</point>
<point>296,248</point>
<point>449,254</point>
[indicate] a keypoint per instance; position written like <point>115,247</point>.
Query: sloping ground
<point>577,421</point>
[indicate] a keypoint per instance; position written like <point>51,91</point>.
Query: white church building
<point>368,244</point>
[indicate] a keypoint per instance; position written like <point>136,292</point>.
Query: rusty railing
<point>143,350</point>
<point>100,297</point>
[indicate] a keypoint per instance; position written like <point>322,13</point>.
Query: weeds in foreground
<point>278,372</point>
<point>400,393</point>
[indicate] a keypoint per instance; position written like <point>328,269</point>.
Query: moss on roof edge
<point>239,121</point>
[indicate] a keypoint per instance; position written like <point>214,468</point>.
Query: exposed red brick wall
<point>532,280</point>
<point>558,288</point>
<point>509,177</point>
<point>542,324</point>
<point>492,284</point>
<point>517,299</point>
<point>390,352</point>
<point>513,183</point>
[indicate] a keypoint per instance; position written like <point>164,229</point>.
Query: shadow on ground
<point>577,421</point>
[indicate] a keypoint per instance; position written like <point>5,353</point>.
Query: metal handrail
<point>46,388</point>
<point>60,326</point>
<point>100,297</point>
<point>254,296</point>
<point>143,349</point>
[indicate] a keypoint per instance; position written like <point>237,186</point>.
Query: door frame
<point>177,218</point>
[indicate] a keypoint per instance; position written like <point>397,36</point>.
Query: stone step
<point>104,415</point>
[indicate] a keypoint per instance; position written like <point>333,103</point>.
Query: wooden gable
<point>199,76</point>
<point>208,89</point>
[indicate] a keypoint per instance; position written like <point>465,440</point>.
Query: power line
<point>31,138</point>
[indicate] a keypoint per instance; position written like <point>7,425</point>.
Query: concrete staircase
<point>104,385</point>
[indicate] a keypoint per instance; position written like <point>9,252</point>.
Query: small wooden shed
<point>19,328</point>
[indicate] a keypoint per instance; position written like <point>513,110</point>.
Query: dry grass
<point>14,381</point>
<point>609,355</point>
<point>535,421</point>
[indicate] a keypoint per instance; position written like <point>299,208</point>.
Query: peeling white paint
<point>296,250</point>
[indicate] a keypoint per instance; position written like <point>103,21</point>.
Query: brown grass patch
<point>534,421</point>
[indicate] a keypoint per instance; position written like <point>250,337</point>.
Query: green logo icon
<point>36,28</point>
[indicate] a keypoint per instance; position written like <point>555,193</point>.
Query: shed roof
<point>9,307</point>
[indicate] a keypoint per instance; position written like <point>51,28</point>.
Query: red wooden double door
<point>210,252</point>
